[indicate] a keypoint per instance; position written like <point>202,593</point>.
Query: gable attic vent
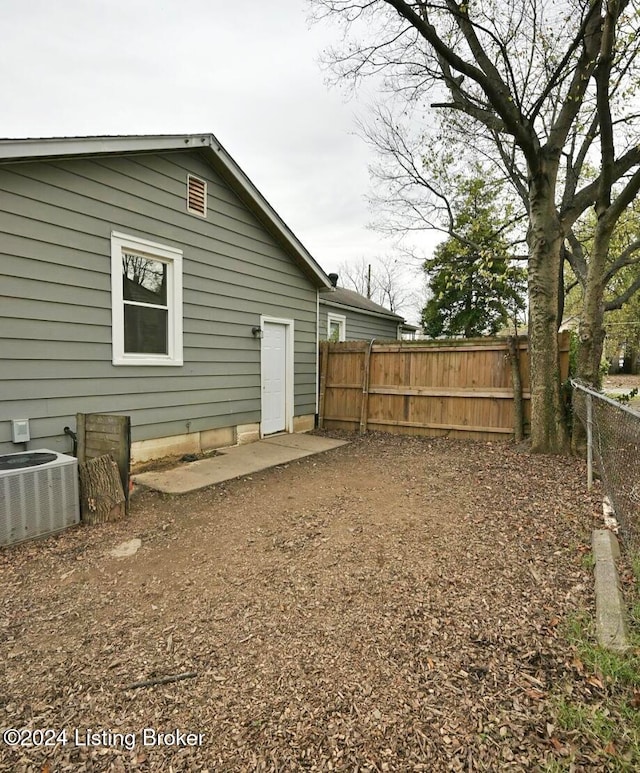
<point>196,196</point>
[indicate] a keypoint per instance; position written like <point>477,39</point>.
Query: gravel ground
<point>397,604</point>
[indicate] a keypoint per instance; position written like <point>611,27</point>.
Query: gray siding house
<point>348,316</point>
<point>147,276</point>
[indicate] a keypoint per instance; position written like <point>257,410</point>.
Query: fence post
<point>364,407</point>
<point>513,345</point>
<point>324,365</point>
<point>589,400</point>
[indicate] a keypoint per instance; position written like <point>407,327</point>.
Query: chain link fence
<point>613,448</point>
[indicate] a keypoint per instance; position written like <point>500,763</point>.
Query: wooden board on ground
<point>102,433</point>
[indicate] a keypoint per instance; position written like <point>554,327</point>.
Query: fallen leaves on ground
<point>394,605</point>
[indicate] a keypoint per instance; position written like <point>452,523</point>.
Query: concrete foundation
<point>157,448</point>
<point>304,423</point>
<point>247,433</point>
<point>217,438</point>
<point>206,440</point>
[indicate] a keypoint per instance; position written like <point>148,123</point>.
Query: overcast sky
<point>246,71</point>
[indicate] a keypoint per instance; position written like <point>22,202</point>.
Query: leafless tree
<point>384,279</point>
<point>546,92</point>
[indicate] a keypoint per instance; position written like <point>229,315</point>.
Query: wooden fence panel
<point>458,388</point>
<point>341,397</point>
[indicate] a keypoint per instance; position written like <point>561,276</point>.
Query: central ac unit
<point>38,494</point>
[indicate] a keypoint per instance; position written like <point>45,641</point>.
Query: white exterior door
<point>275,361</point>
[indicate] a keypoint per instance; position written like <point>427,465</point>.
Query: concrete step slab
<point>235,462</point>
<point>310,443</point>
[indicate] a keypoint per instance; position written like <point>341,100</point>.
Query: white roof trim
<point>47,147</point>
<point>32,149</point>
<point>370,312</point>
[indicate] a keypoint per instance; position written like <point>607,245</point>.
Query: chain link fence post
<point>589,402</point>
<point>613,452</point>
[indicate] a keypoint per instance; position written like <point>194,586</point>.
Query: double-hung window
<point>146,293</point>
<point>336,327</point>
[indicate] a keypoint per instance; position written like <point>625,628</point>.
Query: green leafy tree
<point>475,287</point>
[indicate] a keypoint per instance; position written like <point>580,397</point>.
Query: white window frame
<point>342,325</point>
<point>172,257</point>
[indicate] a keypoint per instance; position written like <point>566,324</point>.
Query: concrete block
<point>605,545</point>
<point>176,445</point>
<point>611,627</point>
<point>304,423</point>
<point>217,438</point>
<point>247,433</point>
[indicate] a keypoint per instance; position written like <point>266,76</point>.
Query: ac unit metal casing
<point>40,500</point>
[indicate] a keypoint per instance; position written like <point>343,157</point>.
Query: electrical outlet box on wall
<point>20,431</point>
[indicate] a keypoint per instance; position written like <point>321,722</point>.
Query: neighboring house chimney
<point>333,278</point>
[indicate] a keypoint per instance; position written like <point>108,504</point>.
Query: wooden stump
<point>101,496</point>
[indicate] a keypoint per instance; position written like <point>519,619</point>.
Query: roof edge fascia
<point>65,147</point>
<point>370,312</point>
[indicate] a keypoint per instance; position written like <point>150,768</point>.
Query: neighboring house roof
<point>46,148</point>
<point>570,323</point>
<point>340,297</point>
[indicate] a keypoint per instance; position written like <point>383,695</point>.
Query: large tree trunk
<point>591,335</point>
<point>548,428</point>
<point>591,331</point>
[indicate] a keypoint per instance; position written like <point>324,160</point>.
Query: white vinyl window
<point>336,327</point>
<point>146,298</point>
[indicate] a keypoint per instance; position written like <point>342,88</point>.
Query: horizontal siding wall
<point>56,221</point>
<point>359,327</point>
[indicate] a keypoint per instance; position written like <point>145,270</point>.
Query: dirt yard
<point>397,604</point>
<point>621,381</point>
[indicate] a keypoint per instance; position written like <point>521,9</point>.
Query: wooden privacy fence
<point>461,388</point>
